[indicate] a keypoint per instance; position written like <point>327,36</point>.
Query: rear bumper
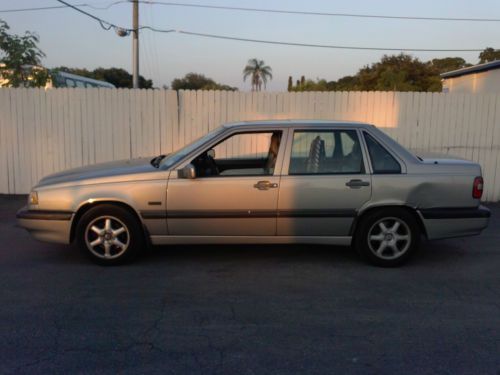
<point>454,222</point>
<point>47,226</point>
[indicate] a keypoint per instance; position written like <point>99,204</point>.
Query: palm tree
<point>259,73</point>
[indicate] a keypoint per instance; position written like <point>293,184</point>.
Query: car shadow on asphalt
<point>430,253</point>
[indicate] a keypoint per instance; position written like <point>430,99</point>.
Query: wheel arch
<point>362,214</point>
<point>86,206</point>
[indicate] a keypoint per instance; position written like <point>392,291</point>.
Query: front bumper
<point>46,225</point>
<point>454,222</point>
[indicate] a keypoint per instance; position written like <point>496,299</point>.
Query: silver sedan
<point>315,182</point>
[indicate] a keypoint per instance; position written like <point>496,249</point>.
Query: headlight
<point>33,198</point>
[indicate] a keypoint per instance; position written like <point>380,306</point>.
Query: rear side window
<point>382,161</point>
<point>326,152</point>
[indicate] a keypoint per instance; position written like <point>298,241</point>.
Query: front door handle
<point>265,185</point>
<point>355,184</point>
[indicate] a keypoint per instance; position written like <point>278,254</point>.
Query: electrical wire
<point>275,42</point>
<point>261,10</point>
<point>106,7</point>
<point>284,11</point>
<point>104,24</point>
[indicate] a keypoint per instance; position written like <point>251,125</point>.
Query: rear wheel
<point>387,237</point>
<point>110,235</point>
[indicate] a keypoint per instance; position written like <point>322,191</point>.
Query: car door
<point>325,182</point>
<point>235,191</point>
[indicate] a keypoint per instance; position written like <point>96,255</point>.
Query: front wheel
<point>387,237</point>
<point>110,235</point>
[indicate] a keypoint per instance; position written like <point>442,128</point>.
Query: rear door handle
<point>265,185</point>
<point>354,184</point>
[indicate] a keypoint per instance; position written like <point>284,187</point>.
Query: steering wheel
<point>214,170</point>
<point>206,165</point>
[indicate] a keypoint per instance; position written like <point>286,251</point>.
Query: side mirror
<point>188,172</point>
<point>211,153</point>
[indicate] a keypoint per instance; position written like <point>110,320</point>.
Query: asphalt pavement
<point>248,309</point>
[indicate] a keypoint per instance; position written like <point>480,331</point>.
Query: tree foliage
<point>448,64</point>
<point>258,72</point>
<point>195,81</point>
<point>117,76</point>
<point>395,73</point>
<point>20,58</point>
<point>290,83</point>
<point>488,55</point>
<point>398,73</point>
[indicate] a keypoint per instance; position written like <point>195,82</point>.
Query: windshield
<point>178,155</point>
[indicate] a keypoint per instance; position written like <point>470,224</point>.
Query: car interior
<point>330,152</point>
<point>240,162</point>
<point>382,161</point>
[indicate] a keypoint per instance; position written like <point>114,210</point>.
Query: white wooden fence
<point>42,132</point>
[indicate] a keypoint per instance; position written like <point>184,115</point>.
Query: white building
<point>482,78</point>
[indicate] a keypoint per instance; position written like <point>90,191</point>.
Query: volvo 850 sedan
<point>274,182</point>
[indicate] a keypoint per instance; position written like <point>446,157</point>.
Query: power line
<point>104,24</point>
<point>281,11</point>
<point>275,42</point>
<point>63,7</point>
<point>284,11</point>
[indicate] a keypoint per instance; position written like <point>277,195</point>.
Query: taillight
<point>477,188</point>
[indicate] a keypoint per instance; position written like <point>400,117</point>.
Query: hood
<point>115,170</point>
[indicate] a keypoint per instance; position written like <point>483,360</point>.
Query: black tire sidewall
<point>361,236</point>
<point>134,227</point>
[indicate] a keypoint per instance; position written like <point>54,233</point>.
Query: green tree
<point>392,73</point>
<point>398,73</point>
<point>117,76</point>
<point>290,84</point>
<point>310,85</point>
<point>259,73</point>
<point>489,54</point>
<point>20,59</point>
<point>448,64</point>
<point>195,81</point>
<point>346,83</point>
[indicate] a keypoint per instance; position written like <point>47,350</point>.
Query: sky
<point>71,39</point>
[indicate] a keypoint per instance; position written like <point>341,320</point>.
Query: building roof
<point>472,69</point>
<point>83,78</point>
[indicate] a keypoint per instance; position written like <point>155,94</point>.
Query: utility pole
<point>135,44</point>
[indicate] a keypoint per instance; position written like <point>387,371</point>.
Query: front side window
<point>326,152</point>
<point>70,82</point>
<point>382,161</point>
<point>178,155</point>
<point>242,154</point>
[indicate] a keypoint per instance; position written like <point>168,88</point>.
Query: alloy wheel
<point>107,237</point>
<point>389,238</point>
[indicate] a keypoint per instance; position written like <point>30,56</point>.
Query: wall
<point>476,83</point>
<point>42,132</point>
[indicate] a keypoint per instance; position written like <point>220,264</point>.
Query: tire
<point>387,237</point>
<point>110,235</point>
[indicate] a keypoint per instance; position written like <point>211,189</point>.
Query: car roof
<point>296,123</point>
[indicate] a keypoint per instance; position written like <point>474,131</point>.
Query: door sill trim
<point>187,240</point>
